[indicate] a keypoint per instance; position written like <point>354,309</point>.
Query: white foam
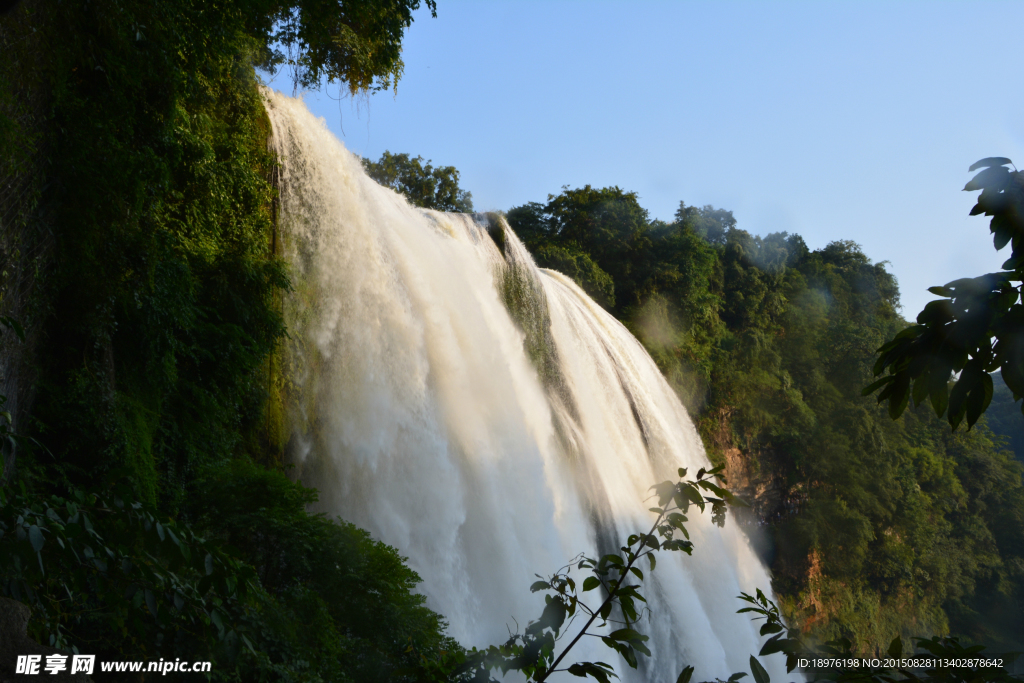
<point>423,420</point>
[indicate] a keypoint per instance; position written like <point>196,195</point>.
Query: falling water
<point>484,416</point>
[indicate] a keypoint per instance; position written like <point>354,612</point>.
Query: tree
<point>976,329</point>
<point>357,42</point>
<point>597,236</point>
<point>422,184</point>
<point>710,223</point>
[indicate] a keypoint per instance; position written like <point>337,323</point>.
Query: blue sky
<point>834,120</point>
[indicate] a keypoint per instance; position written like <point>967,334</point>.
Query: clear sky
<point>834,120</point>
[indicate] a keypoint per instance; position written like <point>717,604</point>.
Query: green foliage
<point>568,258</point>
<point>1003,417</point>
<point>583,227</point>
<point>358,43</point>
<point>359,589</point>
<point>950,661</point>
<point>581,268</point>
<point>422,184</point>
<point>155,327</point>
<point>116,580</point>
<point>159,300</point>
<point>975,330</point>
<point>537,652</point>
<point>268,588</point>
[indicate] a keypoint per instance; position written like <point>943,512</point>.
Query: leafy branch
<point>76,558</point>
<point>535,652</point>
<point>975,330</point>
<point>944,650</point>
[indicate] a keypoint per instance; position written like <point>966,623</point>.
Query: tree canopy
<point>356,42</point>
<point>424,185</point>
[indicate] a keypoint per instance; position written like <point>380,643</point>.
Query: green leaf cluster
<point>540,649</point>
<point>422,184</point>
<point>336,599</point>
<point>357,43</point>
<point>108,576</point>
<point>267,589</point>
<point>975,330</point>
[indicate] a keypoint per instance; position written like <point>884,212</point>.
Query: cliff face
<point>26,223</point>
<point>136,240</point>
<point>826,601</point>
<point>14,642</point>
<point>760,477</point>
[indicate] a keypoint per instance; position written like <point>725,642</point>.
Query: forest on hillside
<point>146,510</point>
<point>875,528</point>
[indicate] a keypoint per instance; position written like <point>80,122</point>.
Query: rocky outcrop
<point>758,477</point>
<point>14,641</point>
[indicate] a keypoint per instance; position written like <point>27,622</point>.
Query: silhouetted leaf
<point>35,537</point>
<point>772,645</point>
<point>760,675</point>
<point>900,395</point>
<point>994,177</point>
<point>979,399</point>
<point>988,162</point>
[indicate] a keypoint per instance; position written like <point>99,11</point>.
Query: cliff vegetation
<point>872,528</point>
<point>145,511</point>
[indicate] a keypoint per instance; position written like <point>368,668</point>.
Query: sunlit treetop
<point>356,42</point>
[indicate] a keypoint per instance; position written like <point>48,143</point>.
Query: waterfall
<point>484,416</point>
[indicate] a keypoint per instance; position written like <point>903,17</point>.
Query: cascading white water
<point>484,416</point>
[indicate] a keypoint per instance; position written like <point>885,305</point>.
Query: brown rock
<point>14,641</point>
